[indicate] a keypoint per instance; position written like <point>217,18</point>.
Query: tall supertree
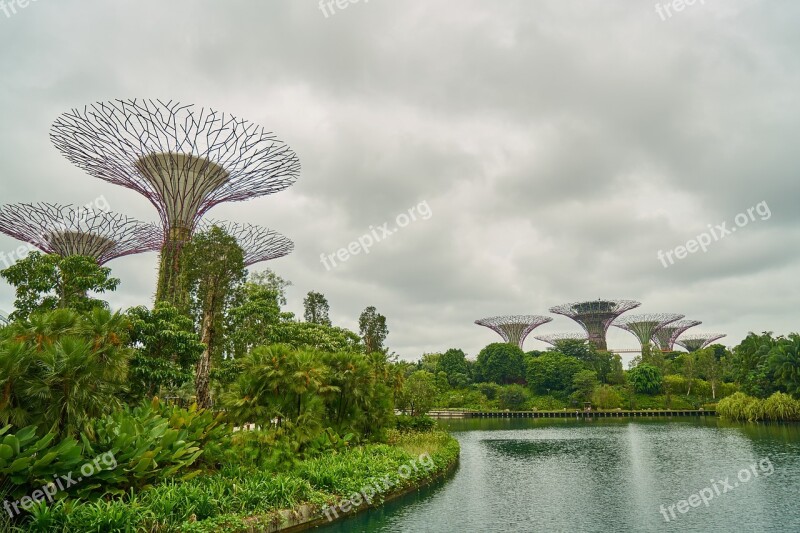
<point>514,328</point>
<point>698,341</point>
<point>666,335</point>
<point>185,160</point>
<point>258,243</point>
<point>69,230</point>
<point>643,327</point>
<point>595,316</point>
<point>554,338</point>
<point>3,318</point>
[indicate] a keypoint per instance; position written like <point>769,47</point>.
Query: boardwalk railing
<point>574,413</point>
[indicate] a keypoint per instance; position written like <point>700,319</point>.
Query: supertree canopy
<point>554,338</point>
<point>643,327</point>
<point>514,328</point>
<point>258,243</point>
<point>185,160</point>
<point>68,230</point>
<point>666,335</point>
<point>697,341</point>
<point>3,318</point>
<point>595,316</point>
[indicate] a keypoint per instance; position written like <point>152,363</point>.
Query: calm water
<point>610,475</point>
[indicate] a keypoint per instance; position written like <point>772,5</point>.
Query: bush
<point>512,397</point>
<point>606,397</point>
<point>414,423</point>
<point>546,403</point>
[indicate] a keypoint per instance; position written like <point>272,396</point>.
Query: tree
<point>372,326</point>
<point>784,362</point>
<point>454,363</point>
<point>645,378</point>
<point>254,311</point>
<point>316,336</point>
<point>606,397</point>
<point>750,364</point>
<point>166,349</point>
<point>213,271</point>
<point>689,369</point>
<point>47,282</point>
<point>512,397</point>
<point>270,280</point>
<point>501,363</point>
<point>419,393</point>
<point>584,384</point>
<point>552,372</point>
<point>60,369</point>
<point>316,308</point>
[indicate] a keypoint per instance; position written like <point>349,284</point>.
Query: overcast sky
<point>558,144</point>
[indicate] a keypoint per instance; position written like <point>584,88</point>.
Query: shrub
<point>512,397</point>
<point>606,397</point>
<point>414,423</point>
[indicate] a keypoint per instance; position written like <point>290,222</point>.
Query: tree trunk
<point>201,380</point>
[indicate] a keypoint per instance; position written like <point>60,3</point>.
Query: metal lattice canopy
<point>184,159</point>
<point>666,335</point>
<point>69,230</point>
<point>644,326</point>
<point>595,316</point>
<point>514,328</point>
<point>698,341</point>
<point>258,243</point>
<point>3,318</point>
<point>554,338</point>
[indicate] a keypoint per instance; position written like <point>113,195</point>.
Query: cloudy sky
<point>558,144</point>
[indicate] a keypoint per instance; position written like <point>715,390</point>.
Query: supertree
<point>643,327</point>
<point>185,160</point>
<point>697,341</point>
<point>69,230</point>
<point>258,243</point>
<point>514,328</point>
<point>666,335</point>
<point>554,338</point>
<point>3,318</point>
<point>595,316</point>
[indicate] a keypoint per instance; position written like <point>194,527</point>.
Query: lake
<point>610,475</point>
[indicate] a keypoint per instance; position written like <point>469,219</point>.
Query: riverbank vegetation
<point>215,413</point>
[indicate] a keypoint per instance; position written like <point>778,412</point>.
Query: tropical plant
<point>501,363</point>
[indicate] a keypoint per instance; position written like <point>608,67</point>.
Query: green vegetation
<point>218,412</point>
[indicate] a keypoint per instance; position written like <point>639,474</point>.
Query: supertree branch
<point>183,159</point>
<point>258,243</point>
<point>644,326</point>
<point>697,341</point>
<point>666,335</point>
<point>595,316</point>
<point>69,230</point>
<point>514,328</point>
<point>554,338</point>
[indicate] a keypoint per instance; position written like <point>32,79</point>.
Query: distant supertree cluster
<point>665,337</point>
<point>185,160</point>
<point>554,338</point>
<point>258,243</point>
<point>595,316</point>
<point>644,326</point>
<point>514,328</point>
<point>68,230</point>
<point>697,341</point>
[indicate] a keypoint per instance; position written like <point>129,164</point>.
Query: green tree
<point>255,310</point>
<point>372,326</point>
<point>316,308</point>
<point>501,363</point>
<point>454,363</point>
<point>784,362</point>
<point>645,378</point>
<point>270,280</point>
<point>606,397</point>
<point>316,336</point>
<point>584,384</point>
<point>47,282</point>
<point>60,369</point>
<point>419,393</point>
<point>214,270</point>
<point>751,367</point>
<point>512,397</point>
<point>552,372</point>
<point>166,349</point>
